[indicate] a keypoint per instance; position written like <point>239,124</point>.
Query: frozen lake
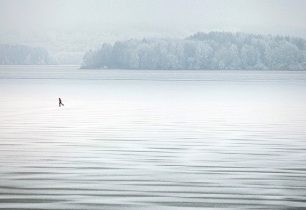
<point>129,139</point>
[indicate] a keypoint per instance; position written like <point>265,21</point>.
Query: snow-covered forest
<point>20,54</point>
<point>214,50</point>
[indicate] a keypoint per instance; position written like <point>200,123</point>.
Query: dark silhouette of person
<point>60,103</point>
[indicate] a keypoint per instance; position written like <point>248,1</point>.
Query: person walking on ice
<point>60,103</point>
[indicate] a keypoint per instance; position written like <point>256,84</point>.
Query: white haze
<point>68,28</point>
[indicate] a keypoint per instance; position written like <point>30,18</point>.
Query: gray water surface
<point>130,139</point>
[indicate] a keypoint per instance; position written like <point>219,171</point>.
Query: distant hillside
<point>20,54</point>
<point>214,50</point>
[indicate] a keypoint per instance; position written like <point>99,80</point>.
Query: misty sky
<point>73,25</point>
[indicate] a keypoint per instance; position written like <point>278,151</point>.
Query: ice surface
<point>151,139</point>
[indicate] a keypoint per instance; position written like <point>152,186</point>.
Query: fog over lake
<point>152,104</point>
<point>67,29</point>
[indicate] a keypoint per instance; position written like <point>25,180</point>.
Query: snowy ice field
<point>151,139</point>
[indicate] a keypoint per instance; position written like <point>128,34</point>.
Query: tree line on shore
<point>23,55</point>
<point>214,50</point>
